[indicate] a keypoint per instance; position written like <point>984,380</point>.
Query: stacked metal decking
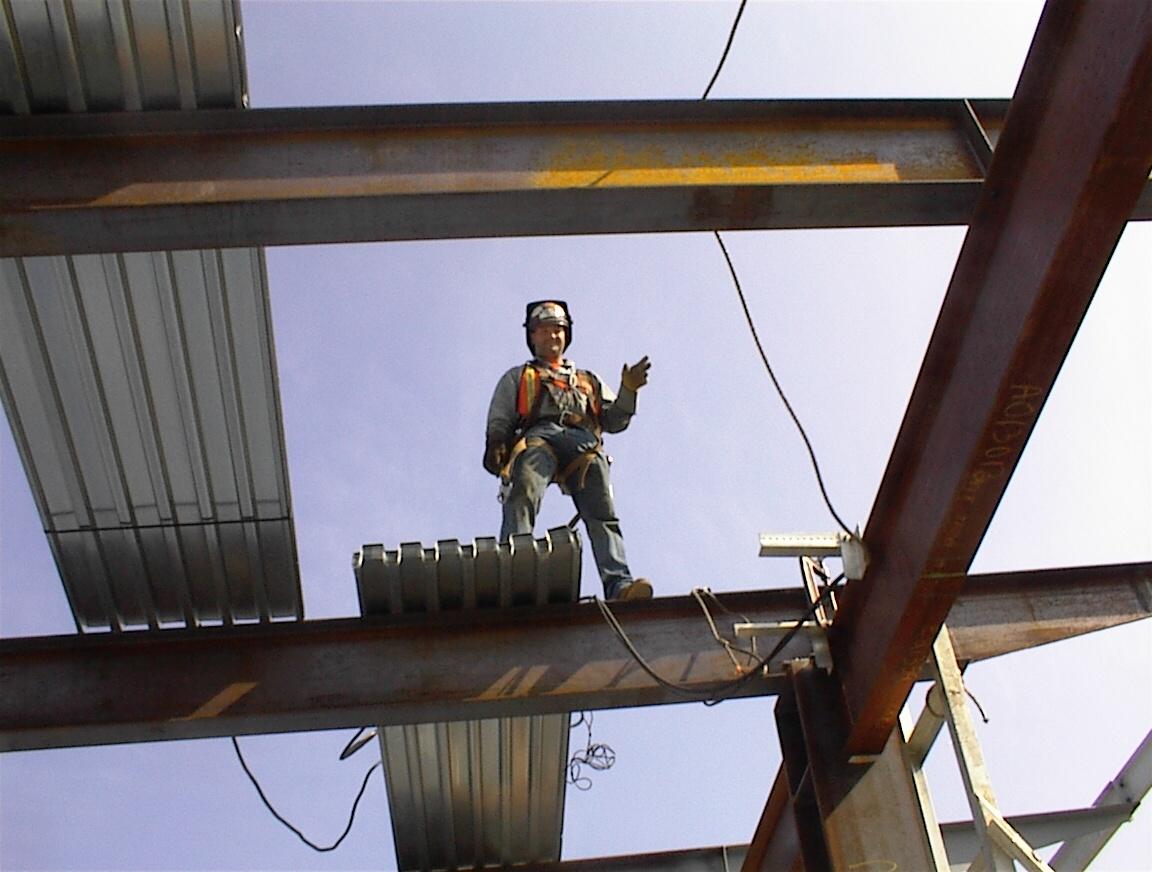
<point>141,387</point>
<point>474,794</point>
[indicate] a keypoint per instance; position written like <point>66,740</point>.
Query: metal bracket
<point>850,549</point>
<point>779,629</point>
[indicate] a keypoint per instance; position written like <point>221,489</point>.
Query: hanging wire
<point>776,384</point>
<point>284,821</point>
<point>717,691</point>
<point>729,647</point>
<point>596,755</point>
<point>727,48</point>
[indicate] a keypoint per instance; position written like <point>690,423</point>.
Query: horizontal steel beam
<point>724,858</point>
<point>1069,167</point>
<point>999,613</point>
<point>959,838</point>
<point>66,690</point>
<point>175,684</point>
<point>227,178</point>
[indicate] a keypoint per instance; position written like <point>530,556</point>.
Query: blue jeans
<point>534,470</point>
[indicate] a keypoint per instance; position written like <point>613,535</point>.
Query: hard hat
<point>547,310</point>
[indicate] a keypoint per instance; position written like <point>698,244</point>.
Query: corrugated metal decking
<point>471,794</point>
<point>141,388</point>
<point>113,55</point>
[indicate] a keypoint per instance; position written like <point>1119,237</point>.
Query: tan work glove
<point>495,455</point>
<point>636,376</point>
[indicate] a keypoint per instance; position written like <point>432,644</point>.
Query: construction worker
<point>544,425</point>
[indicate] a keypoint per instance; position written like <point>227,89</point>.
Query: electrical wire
<point>732,650</point>
<point>596,755</point>
<point>727,48</point>
<point>717,691</point>
<point>928,700</point>
<point>284,821</point>
<point>776,384</point>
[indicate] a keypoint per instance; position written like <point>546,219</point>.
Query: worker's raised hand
<point>635,376</point>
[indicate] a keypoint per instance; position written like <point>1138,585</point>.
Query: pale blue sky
<point>388,354</point>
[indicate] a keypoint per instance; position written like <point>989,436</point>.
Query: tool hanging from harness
<point>538,381</point>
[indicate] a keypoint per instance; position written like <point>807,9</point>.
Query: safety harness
<point>534,382</point>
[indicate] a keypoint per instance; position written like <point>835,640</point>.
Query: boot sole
<point>640,589</point>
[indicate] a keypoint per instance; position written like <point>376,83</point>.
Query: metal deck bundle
<point>481,792</point>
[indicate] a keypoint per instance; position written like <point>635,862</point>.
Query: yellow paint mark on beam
<point>221,701</point>
<point>596,175</point>
<point>654,177</point>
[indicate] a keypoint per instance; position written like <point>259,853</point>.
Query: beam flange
<point>1068,169</point>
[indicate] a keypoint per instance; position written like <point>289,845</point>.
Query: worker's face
<point>548,340</point>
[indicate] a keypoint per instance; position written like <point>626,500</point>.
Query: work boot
<point>640,589</point>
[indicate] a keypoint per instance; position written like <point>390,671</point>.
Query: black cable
<point>596,755</point>
<point>718,691</point>
<point>727,48</point>
<point>277,815</point>
<point>776,384</point>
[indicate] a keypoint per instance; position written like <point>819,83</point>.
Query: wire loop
<point>285,822</point>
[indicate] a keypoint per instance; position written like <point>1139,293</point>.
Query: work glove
<point>495,455</point>
<point>636,376</point>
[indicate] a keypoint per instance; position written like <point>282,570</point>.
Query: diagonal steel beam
<point>1070,164</point>
<point>225,178</point>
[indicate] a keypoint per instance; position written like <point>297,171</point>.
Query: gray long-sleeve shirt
<point>616,411</point>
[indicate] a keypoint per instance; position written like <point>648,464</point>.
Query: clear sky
<point>388,353</point>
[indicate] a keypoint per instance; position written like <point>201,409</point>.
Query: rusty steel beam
<point>87,183</point>
<point>1071,162</point>
<point>999,613</point>
<point>134,687</point>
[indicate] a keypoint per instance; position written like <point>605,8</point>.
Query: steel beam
<point>725,858</point>
<point>99,689</point>
<point>1071,163</point>
<point>132,687</point>
<point>226,178</point>
<point>959,838</point>
<point>999,613</point>
<point>1122,794</point>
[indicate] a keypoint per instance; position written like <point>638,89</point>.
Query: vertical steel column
<point>870,815</point>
